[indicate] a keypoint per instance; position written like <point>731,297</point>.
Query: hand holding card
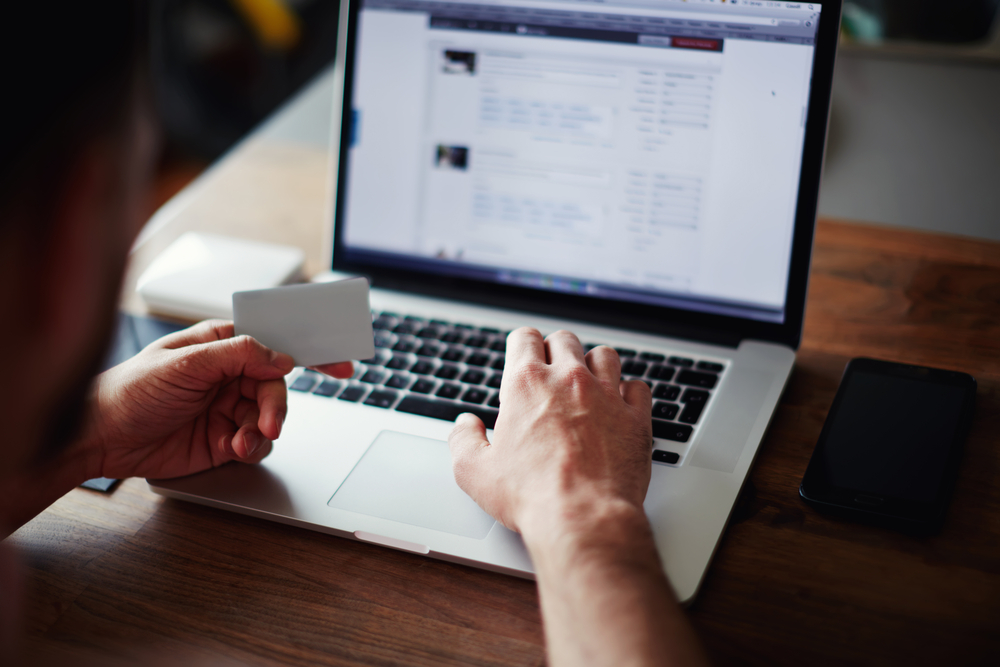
<point>317,324</point>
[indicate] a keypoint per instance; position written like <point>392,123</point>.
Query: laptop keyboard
<point>440,369</point>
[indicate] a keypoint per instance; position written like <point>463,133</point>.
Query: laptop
<point>643,173</point>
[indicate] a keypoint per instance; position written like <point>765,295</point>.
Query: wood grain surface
<point>131,572</point>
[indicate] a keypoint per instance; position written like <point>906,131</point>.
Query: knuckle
<point>526,375</point>
<point>525,332</point>
<point>577,376</point>
<point>562,333</point>
<point>244,344</point>
<point>219,328</point>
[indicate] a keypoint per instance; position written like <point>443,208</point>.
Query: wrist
<point>587,528</point>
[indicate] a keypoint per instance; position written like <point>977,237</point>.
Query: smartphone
<point>890,448</point>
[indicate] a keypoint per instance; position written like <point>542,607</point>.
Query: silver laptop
<point>643,173</point>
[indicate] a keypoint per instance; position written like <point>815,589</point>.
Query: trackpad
<point>408,479</point>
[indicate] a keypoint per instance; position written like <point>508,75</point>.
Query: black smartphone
<point>890,448</point>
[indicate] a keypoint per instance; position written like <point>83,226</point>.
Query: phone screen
<point>892,436</point>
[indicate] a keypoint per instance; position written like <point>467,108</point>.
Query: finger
<point>638,395</point>
<point>248,438</point>
<point>271,399</point>
<point>605,363</point>
<point>259,454</point>
<point>272,402</point>
<point>249,445</point>
<point>342,370</point>
<point>230,358</point>
<point>466,441</point>
<point>564,348</point>
<point>203,332</point>
<point>524,345</point>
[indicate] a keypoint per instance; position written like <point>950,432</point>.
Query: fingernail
<point>250,441</point>
<point>280,420</point>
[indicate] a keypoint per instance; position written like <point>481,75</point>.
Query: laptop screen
<point>644,151</point>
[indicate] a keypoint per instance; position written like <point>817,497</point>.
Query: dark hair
<point>72,71</point>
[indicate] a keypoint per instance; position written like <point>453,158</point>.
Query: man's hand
<point>192,400</point>
<point>570,433</point>
<point>568,467</point>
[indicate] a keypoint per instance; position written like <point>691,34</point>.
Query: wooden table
<point>787,586</point>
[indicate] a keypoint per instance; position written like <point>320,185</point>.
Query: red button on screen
<point>696,43</point>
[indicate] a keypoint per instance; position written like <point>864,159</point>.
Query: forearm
<point>604,597</point>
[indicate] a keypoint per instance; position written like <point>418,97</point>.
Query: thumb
<point>466,441</point>
<point>230,358</point>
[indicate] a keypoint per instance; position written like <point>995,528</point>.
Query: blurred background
<point>914,136</point>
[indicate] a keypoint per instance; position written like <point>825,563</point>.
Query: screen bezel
<point>816,486</point>
<point>695,325</point>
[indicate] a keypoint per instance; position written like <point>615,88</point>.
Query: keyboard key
<point>476,341</point>
<point>665,373</point>
<point>405,346</point>
<point>683,362</point>
<point>328,388</point>
<point>624,352</point>
<point>381,399</point>
<point>691,413</point>
<point>494,381</point>
<point>453,354</point>
<point>444,410</point>
<point>652,356</point>
<point>710,366</point>
<point>634,368</point>
<point>414,318</point>
<point>498,364</point>
<point>451,337</point>
<point>422,367</point>
<point>472,376</point>
<point>387,313</point>
<point>464,326</point>
<point>494,401</point>
<point>352,393</point>
<point>404,328</point>
<point>661,456</point>
<point>398,381</point>
<point>668,392</point>
<point>449,391</point>
<point>440,323</point>
<point>383,340</point>
<point>671,431</point>
<point>695,396</point>
<point>427,332</point>
<point>447,372</point>
<point>706,380</point>
<point>488,330</point>
<point>382,323</point>
<point>499,345</point>
<point>303,382</point>
<point>428,351</point>
<point>373,377</point>
<point>475,396</point>
<point>398,363</point>
<point>423,386</point>
<point>663,410</point>
<point>478,359</point>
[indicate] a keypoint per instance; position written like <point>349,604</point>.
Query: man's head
<point>75,154</point>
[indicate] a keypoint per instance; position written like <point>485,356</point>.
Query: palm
<point>193,401</point>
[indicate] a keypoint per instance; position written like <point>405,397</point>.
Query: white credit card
<point>320,323</point>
